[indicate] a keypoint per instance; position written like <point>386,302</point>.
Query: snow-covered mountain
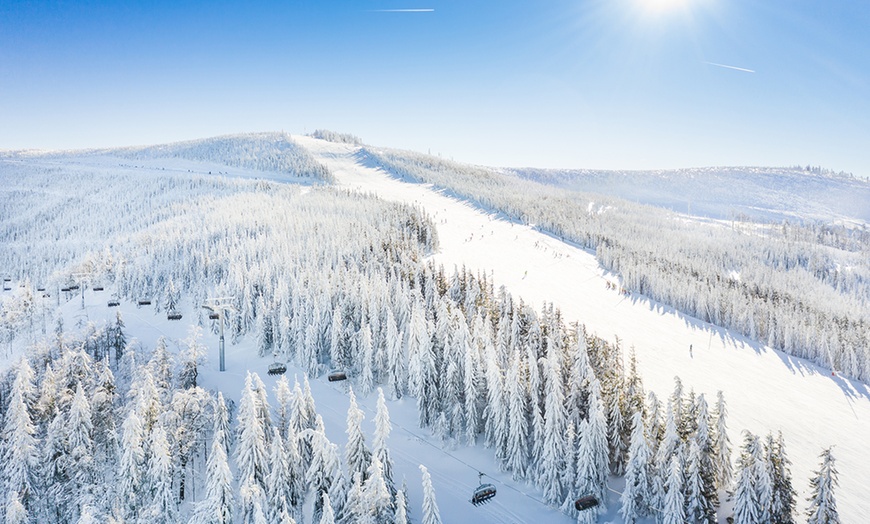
<point>359,276</point>
<point>756,193</point>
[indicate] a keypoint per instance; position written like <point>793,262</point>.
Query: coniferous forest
<point>98,427</point>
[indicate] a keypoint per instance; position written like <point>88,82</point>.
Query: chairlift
<point>173,315</point>
<point>144,302</point>
<point>7,279</point>
<point>585,502</point>
<point>277,368</point>
<point>483,493</point>
<point>97,288</point>
<point>214,316</point>
<point>65,289</point>
<point>40,289</point>
<point>73,287</point>
<point>114,303</point>
<point>335,376</point>
<point>7,288</point>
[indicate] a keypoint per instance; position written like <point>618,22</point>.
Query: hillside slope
<point>766,389</point>
<point>726,193</point>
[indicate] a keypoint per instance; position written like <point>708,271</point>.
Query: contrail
<point>729,67</point>
<point>423,10</point>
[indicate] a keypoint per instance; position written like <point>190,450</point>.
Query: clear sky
<point>546,83</point>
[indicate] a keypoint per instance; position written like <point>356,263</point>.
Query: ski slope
<point>765,390</point>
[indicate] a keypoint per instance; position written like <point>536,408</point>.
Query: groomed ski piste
<point>766,390</point>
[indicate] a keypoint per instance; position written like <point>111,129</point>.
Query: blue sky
<point>598,84</point>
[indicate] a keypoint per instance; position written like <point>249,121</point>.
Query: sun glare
<point>662,5</point>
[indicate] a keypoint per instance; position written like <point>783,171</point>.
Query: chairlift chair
<point>173,315</point>
<point>585,502</point>
<point>213,316</point>
<point>335,376</point>
<point>144,301</point>
<point>114,303</point>
<point>74,287</point>
<point>40,289</point>
<point>97,288</point>
<point>277,368</point>
<point>65,289</point>
<point>7,279</point>
<point>483,493</point>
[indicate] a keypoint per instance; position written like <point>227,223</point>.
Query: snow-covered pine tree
<point>251,448</point>
<point>324,466</point>
<point>380,450</point>
<point>192,357</point>
<point>635,497</point>
<point>517,457</point>
<point>279,481</point>
<point>673,511</point>
<point>748,509</point>
<point>283,407</point>
<point>397,370</point>
<point>783,502</point>
<point>367,356</point>
<point>707,465</point>
<point>356,455</point>
<point>377,497</point>
<point>592,459</point>
<point>552,467</point>
<point>722,447</point>
<point>222,422</point>
<point>401,516</point>
<point>80,443</point>
<point>496,411</point>
<point>423,368</point>
<point>131,473</point>
<point>162,508</point>
<point>326,516</point>
<point>823,503</point>
<point>103,414</point>
<point>431,515</point>
<point>217,506</point>
<point>19,445</point>
<point>698,507</point>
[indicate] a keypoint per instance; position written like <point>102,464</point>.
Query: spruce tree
<point>380,450</point>
<point>783,500</point>
<point>517,457</point>
<point>19,444</point>
<point>552,467</point>
<point>279,481</point>
<point>748,509</point>
<point>251,450</point>
<point>356,454</point>
<point>722,457</point>
<point>635,497</point>
<point>674,510</point>
<point>823,504</point>
<point>431,515</point>
<point>217,506</point>
<point>161,508</point>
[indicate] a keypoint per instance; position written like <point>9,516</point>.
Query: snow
<point>766,390</point>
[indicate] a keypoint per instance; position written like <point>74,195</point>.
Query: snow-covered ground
<point>766,390</point>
